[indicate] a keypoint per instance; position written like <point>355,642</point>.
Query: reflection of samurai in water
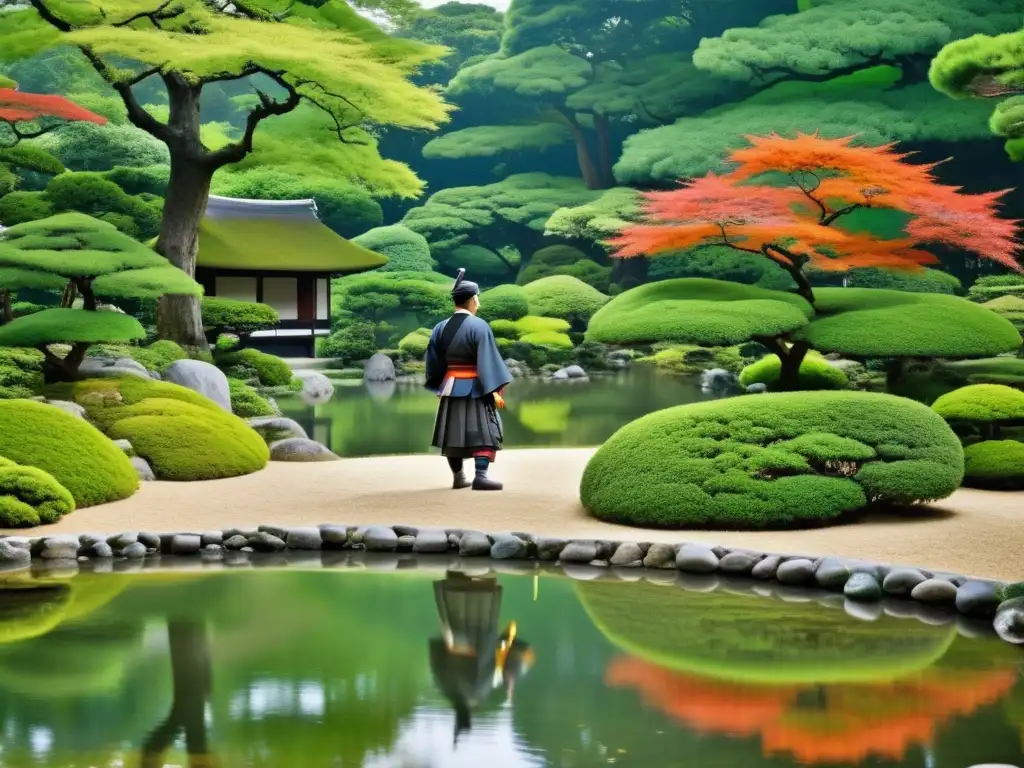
<point>472,658</point>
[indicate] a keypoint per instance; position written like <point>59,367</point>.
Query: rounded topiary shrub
<point>772,460</point>
<point>995,464</point>
<point>506,302</point>
<point>415,344</point>
<point>407,251</point>
<point>246,402</point>
<point>565,297</point>
<point>70,449</point>
<point>21,372</point>
<point>815,373</point>
<point>271,370</point>
<point>30,496</point>
<point>924,281</point>
<point>981,403</point>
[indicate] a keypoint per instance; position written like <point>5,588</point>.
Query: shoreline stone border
<point>863,585</point>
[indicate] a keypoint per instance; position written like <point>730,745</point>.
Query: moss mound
<point>183,435</point>
<point>925,281</point>
<point>771,460</point>
<point>156,357</point>
<point>756,640</point>
<point>697,311</point>
<point>982,403</point>
<point>564,296</point>
<point>30,496</point>
<point>73,451</point>
<point>246,402</point>
<point>995,464</point>
<point>415,344</point>
<point>815,373</point>
<point>247,364</point>
<point>21,372</point>
<point>506,302</point>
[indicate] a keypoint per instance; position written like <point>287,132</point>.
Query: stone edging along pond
<point>859,582</point>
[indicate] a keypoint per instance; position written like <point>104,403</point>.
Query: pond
<point>358,667</point>
<point>398,417</point>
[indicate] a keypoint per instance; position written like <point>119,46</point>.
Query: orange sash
<point>466,372</point>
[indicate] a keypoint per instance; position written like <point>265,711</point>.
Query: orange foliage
<point>830,178</point>
<point>851,724</point>
<point>16,106</point>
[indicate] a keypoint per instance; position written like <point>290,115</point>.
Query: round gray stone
<point>134,551</point>
<point>579,552</point>
<point>901,581</point>
<point>78,412</point>
<point>377,538</point>
<point>99,549</point>
<point>151,540</point>
<point>316,388</point>
<point>304,538</point>
<point>380,367</point>
<point>738,562</point>
<point>475,544</point>
<point>549,548</point>
<point>274,530</point>
<point>13,555</point>
<point>507,547</point>
<point>696,558</point>
<point>125,446</point>
<point>262,541</point>
<point>300,449</point>
<point>405,542</point>
<point>934,591</point>
<point>661,556</point>
<point>277,427</point>
<point>122,540</point>
<point>767,568</point>
<point>236,542</point>
<point>798,571</point>
<point>977,598</point>
<point>863,586</point>
<point>212,537</point>
<point>431,542</point>
<point>628,554</point>
<point>60,548</point>
<point>1009,621</point>
<point>186,544</point>
<point>334,536</point>
<point>204,378</point>
<point>832,573</point>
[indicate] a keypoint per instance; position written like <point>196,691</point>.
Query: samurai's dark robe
<point>465,368</point>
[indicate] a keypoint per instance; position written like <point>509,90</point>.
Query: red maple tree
<point>29,115</point>
<point>797,224</point>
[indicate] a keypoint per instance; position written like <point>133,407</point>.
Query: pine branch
<point>49,16</point>
<point>21,134</point>
<point>138,116</point>
<point>830,218</point>
<point>162,13</point>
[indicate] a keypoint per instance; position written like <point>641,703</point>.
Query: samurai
<point>466,371</point>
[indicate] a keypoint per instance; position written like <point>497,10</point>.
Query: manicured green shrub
<point>506,302</point>
<point>815,373</point>
<point>415,344</point>
<point>534,324</point>
<point>21,372</point>
<point>697,311</point>
<point>565,260</point>
<point>19,207</point>
<point>30,496</point>
<point>688,359</point>
<point>407,251</point>
<point>182,441</point>
<point>981,403</point>
<point>925,281</point>
<point>990,370</point>
<point>242,318</point>
<point>158,356</point>
<point>349,344</point>
<point>1009,306</point>
<point>246,402</point>
<point>271,371</point>
<point>22,308</point>
<point>504,329</point>
<point>769,460</point>
<point>547,339</point>
<point>565,297</point>
<point>715,262</point>
<point>78,456</point>
<point>995,464</point>
<point>994,286</point>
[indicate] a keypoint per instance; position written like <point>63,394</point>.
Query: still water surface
<point>415,669</point>
<point>398,418</point>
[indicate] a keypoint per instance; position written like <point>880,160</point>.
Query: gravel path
<point>979,533</point>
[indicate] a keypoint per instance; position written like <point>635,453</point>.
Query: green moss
<point>30,496</point>
<point>982,403</point>
<point>925,281</point>
<point>506,302</point>
<point>565,297</point>
<point>234,316</point>
<point>534,324</point>
<point>504,329</point>
<point>1010,591</point>
<point>565,260</point>
<point>815,373</point>
<point>104,399</point>
<point>158,356</point>
<point>74,452</point>
<point>547,339</point>
<point>996,464</point>
<point>69,325</point>
<point>21,372</point>
<point>406,251</point>
<point>995,370</point>
<point>270,370</point>
<point>415,344</point>
<point>735,463</point>
<point>697,311</point>
<point>246,402</point>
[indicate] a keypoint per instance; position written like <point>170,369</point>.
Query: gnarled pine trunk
<point>605,161</point>
<point>588,169</point>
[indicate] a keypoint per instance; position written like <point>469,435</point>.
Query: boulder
<point>719,381</point>
<point>696,558</point>
<point>549,548</point>
<point>261,541</point>
<point>60,548</point>
<point>767,568</point>
<point>738,562</point>
<point>134,551</point>
<point>575,372</point>
<point>316,388</point>
<point>71,408</point>
<point>863,586</point>
<point>661,556</point>
<point>142,469</point>
<point>1009,621</point>
<point>300,449</point>
<point>757,388</point>
<point>430,542</point>
<point>236,542</point>
<point>901,581</point>
<point>304,538</point>
<point>508,547</point>
<point>629,554</point>
<point>11,555</point>
<point>125,446</point>
<point>832,573</point>
<point>377,538</point>
<point>334,536</point>
<point>380,367</point>
<point>273,428</point>
<point>475,544</point>
<point>186,544</point>
<point>578,552</point>
<point>108,367</point>
<point>204,378</point>
<point>934,591</point>
<point>798,571</point>
<point>977,598</point>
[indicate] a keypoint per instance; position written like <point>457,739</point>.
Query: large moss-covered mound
<point>182,434</point>
<point>875,323</point>
<point>749,639</point>
<point>815,373</point>
<point>564,296</point>
<point>30,496</point>
<point>21,372</point>
<point>70,449</point>
<point>995,464</point>
<point>697,311</point>
<point>774,459</point>
<point>982,403</point>
<point>506,302</point>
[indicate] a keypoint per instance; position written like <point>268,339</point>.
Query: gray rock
<point>204,378</point>
<point>454,540</point>
<point>13,555</point>
<point>560,375</point>
<point>579,552</point>
<point>628,554</point>
<point>405,530</point>
<point>767,568</point>
<point>863,586</point>
<point>106,367</point>
<point>977,598</point>
<point>101,549</point>
<point>74,409</point>
<point>121,540</point>
<point>757,388</point>
<point>134,551</point>
<point>377,538</point>
<point>901,581</point>
<point>212,537</point>
<point>143,469</point>
<point>125,446</point>
<point>380,367</point>
<point>88,539</point>
<point>334,536</point>
<point>719,381</point>
<point>300,449</point>
<point>661,556</point>
<point>1009,621</point>
<point>797,571</point>
<point>475,544</point>
<point>316,388</point>
<point>696,558</point>
<point>274,530</point>
<point>428,541</point>
<point>186,544</point>
<point>832,573</point>
<point>738,562</point>
<point>304,538</point>
<point>934,591</point>
<point>549,548</point>
<point>575,372</point>
<point>273,428</point>
<point>405,543</point>
<point>508,547</point>
<point>261,541</point>
<point>60,548</point>
<point>236,542</point>
<point>151,540</point>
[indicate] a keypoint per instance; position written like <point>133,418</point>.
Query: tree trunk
<point>178,317</point>
<point>6,314</point>
<point>604,150</point>
<point>791,358</point>
<point>58,370</point>
<point>893,373</point>
<point>591,176</point>
<point>630,272</point>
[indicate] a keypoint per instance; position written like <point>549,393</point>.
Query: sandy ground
<point>978,533</point>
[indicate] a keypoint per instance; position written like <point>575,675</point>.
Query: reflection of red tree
<point>845,723</point>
